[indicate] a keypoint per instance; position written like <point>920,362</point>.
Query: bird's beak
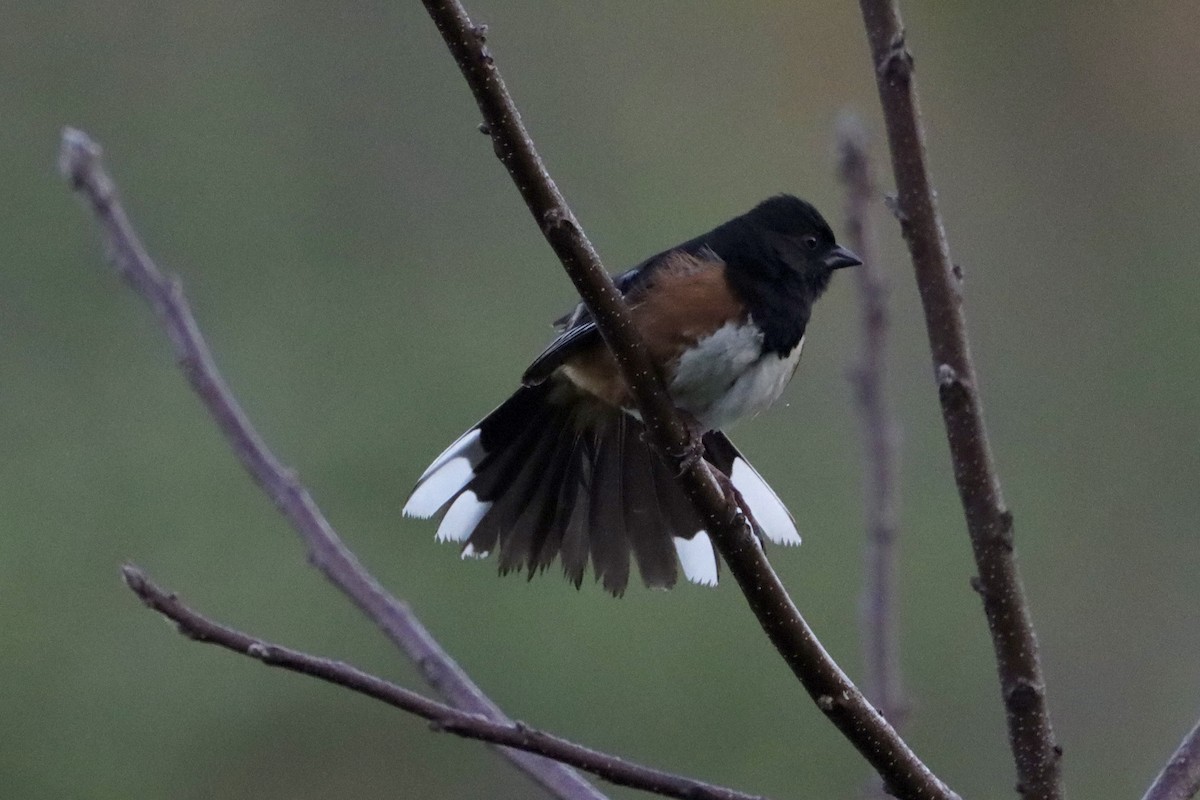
<point>840,257</point>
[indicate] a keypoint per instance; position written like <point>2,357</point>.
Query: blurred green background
<point>371,284</point>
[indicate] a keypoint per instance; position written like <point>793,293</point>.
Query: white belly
<point>726,376</point>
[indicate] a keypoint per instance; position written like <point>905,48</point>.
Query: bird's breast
<point>727,375</point>
<point>715,359</point>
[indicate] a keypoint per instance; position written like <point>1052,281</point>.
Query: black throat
<point>778,296</point>
<point>780,308</point>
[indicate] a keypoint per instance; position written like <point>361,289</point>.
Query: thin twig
<point>441,717</point>
<point>989,523</point>
<point>880,640</point>
<point>79,162</point>
<point>1180,778</point>
<point>903,773</point>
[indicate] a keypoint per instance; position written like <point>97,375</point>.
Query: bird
<point>563,467</point>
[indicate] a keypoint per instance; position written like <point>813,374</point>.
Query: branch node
<point>485,129</point>
<point>480,32</point>
<point>947,376</point>
<point>1023,693</point>
<point>825,703</point>
<point>952,389</point>
<point>897,62</point>
<point>258,650</point>
<point>553,219</point>
<point>977,585</point>
<point>1004,530</point>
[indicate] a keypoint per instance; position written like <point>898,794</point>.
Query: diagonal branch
<point>881,643</point>
<point>79,161</point>
<point>441,717</point>
<point>1180,778</point>
<point>901,770</point>
<point>989,523</point>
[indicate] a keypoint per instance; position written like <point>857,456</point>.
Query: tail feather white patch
<point>777,524</point>
<point>697,558</point>
<point>446,476</point>
<point>461,518</point>
<point>467,445</point>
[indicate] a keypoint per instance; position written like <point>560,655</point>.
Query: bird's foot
<point>692,453</point>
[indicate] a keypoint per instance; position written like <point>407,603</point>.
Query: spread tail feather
<point>774,520</point>
<point>549,473</point>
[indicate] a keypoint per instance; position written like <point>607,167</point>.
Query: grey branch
<point>1180,778</point>
<point>903,773</point>
<point>441,717</point>
<point>79,162</point>
<point>880,432</point>
<point>989,523</point>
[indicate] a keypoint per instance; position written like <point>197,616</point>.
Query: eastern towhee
<point>562,467</point>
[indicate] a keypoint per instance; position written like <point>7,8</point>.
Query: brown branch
<point>903,773</point>
<point>880,640</point>
<point>441,717</point>
<point>1180,778</point>
<point>79,162</point>
<point>989,523</point>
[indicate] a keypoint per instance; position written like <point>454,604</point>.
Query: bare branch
<point>477,717</point>
<point>903,773</point>
<point>880,637</point>
<point>441,717</point>
<point>79,161</point>
<point>989,523</point>
<point>1180,778</point>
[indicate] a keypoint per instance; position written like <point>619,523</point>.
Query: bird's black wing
<point>577,329</point>
<point>566,344</point>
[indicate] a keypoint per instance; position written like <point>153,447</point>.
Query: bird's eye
<point>810,242</point>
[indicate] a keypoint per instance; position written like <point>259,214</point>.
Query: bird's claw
<point>692,454</point>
